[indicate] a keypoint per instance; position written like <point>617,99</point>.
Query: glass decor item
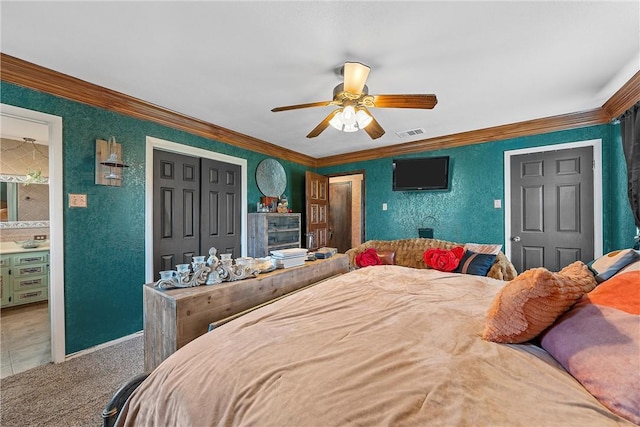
<point>210,272</point>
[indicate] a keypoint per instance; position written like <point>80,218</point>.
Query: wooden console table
<point>173,318</point>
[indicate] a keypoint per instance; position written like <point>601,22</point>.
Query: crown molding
<point>496,133</point>
<point>620,102</point>
<point>624,98</point>
<point>32,76</point>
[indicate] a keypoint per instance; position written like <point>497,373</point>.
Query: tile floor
<point>25,340</point>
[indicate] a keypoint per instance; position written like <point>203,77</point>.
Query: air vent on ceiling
<point>410,132</point>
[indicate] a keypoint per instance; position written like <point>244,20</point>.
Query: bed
<point>380,345</point>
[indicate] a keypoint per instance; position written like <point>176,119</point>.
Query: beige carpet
<point>72,393</point>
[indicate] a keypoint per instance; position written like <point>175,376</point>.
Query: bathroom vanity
<point>25,274</point>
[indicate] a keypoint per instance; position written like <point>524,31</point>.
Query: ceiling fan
<point>352,96</point>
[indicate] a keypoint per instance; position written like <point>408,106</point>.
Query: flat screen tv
<point>427,173</point>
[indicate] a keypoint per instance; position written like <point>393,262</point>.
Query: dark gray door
<point>196,205</point>
<point>176,209</point>
<point>552,208</point>
<point>340,215</point>
<point>221,207</point>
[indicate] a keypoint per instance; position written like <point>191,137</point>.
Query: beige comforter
<point>379,346</point>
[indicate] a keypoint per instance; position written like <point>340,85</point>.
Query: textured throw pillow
<point>607,265</point>
<point>386,257</point>
<point>531,302</point>
<point>475,263</point>
<point>481,248</point>
<point>598,342</point>
<point>367,258</point>
<point>443,259</point>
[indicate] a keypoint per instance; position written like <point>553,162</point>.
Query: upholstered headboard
<point>408,253</point>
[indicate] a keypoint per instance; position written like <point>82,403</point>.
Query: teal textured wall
<point>465,213</point>
<point>104,243</point>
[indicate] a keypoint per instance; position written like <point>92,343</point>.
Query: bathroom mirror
<point>23,205</point>
<point>24,171</point>
<point>271,178</point>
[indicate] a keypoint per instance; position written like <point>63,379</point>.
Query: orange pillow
<point>531,302</point>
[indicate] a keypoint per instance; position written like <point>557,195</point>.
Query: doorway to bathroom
<point>48,315</point>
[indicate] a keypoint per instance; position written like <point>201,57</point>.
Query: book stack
<point>326,252</point>
<point>287,258</point>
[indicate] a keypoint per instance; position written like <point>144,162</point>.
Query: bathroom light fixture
<point>34,176</point>
<point>109,165</point>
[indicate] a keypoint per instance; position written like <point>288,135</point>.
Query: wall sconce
<point>109,166</point>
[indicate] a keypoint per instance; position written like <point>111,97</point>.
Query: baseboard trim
<point>103,345</point>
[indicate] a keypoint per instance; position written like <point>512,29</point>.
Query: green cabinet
<point>25,277</point>
<point>5,280</point>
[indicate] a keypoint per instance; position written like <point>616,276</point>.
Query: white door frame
<point>189,151</point>
<point>56,224</point>
<point>597,188</point>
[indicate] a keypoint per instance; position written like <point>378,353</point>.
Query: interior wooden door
<point>317,208</point>
<point>552,208</point>
<point>340,215</point>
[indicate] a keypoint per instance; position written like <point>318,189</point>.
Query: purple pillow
<point>598,342</point>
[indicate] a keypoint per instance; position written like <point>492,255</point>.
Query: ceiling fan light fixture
<point>348,119</point>
<point>353,101</point>
<point>363,119</point>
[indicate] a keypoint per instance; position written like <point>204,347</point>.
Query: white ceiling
<point>229,63</point>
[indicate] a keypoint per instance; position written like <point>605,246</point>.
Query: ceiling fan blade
<point>405,101</point>
<point>373,129</point>
<point>355,77</point>
<point>295,107</point>
<point>322,125</point>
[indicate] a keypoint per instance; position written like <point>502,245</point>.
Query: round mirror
<point>271,178</point>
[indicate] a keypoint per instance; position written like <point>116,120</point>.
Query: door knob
<point>515,239</point>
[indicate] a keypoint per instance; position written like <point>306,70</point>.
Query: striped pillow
<point>607,265</point>
<point>475,263</point>
<point>481,248</point>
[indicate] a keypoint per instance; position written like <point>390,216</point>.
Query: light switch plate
<point>384,206</point>
<point>497,203</point>
<point>77,200</point>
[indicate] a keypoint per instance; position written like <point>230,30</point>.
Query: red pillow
<point>443,259</point>
<point>367,258</point>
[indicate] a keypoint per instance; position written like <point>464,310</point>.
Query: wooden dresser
<point>175,317</point>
